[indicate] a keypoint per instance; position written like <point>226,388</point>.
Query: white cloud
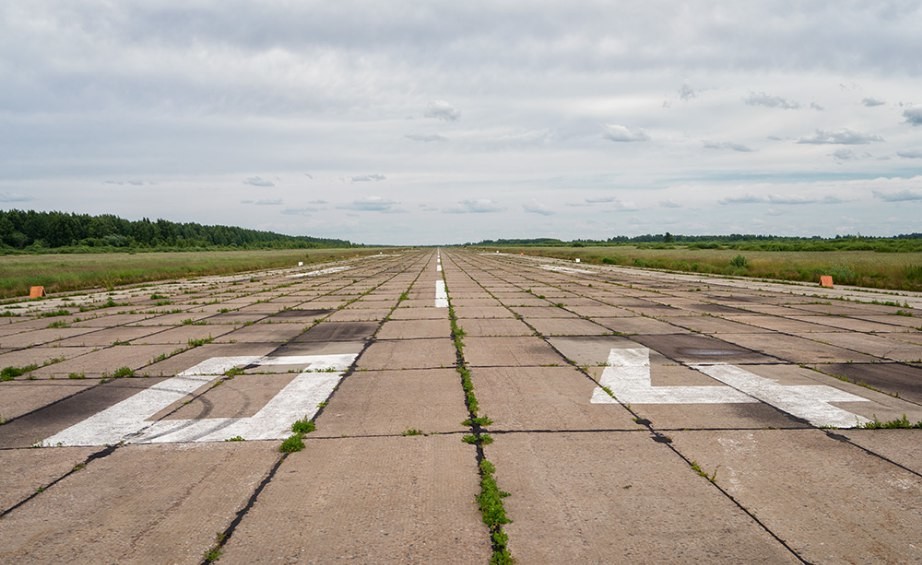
<point>258,181</point>
<point>475,206</point>
<point>442,110</point>
<point>371,204</point>
<point>619,133</point>
<point>839,137</point>
<point>426,138</point>
<point>368,178</point>
<point>907,195</point>
<point>538,208</point>
<point>763,99</point>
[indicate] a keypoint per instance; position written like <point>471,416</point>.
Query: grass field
<point>59,273</point>
<point>896,271</point>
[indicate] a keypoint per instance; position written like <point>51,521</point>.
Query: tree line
<point>34,231</point>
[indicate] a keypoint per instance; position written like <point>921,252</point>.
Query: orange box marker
<point>36,292</point>
<point>826,281</point>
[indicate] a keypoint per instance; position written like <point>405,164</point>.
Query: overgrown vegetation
<point>871,268</point>
<point>10,373</point>
<point>897,423</point>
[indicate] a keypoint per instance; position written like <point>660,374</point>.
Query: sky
<point>445,122</point>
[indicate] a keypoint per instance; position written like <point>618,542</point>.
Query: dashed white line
<point>441,297</point>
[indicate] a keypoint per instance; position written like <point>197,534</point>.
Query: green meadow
<point>871,269</point>
<point>68,272</point>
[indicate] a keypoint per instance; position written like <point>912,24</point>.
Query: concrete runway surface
<point>637,416</point>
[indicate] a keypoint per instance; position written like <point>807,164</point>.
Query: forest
<point>31,231</point>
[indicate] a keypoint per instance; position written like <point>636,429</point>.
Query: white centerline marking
<point>628,377</point>
<point>441,297</point>
<point>129,420</point>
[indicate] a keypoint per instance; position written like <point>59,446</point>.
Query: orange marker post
<point>36,292</point>
<point>826,281</point>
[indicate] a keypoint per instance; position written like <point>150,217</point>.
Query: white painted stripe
<point>129,420</point>
<point>441,297</point>
<point>628,377</point>
<point>317,273</point>
<point>568,270</point>
<point>438,268</point>
<point>809,402</point>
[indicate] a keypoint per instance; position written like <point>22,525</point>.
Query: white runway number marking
<point>130,420</point>
<point>627,375</point>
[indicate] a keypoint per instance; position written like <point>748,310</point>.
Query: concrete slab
<point>795,349</point>
<point>877,346</point>
<point>711,325</point>
<point>42,355</point>
<point>34,338</point>
<point>567,326</point>
<point>637,325</point>
<point>569,488</point>
<point>105,361</point>
<point>863,509</point>
<point>381,500</point>
<point>263,333</point>
<point>182,335</point>
<point>27,470</point>
<point>532,312</point>
<point>494,327</point>
<point>142,504</point>
<point>109,336</point>
<point>186,358</point>
<point>338,331</point>
<point>21,397</point>
<point>408,354</point>
<point>44,422</point>
<point>779,324</point>
<point>544,398</point>
<point>391,402</point>
<point>509,352</point>
<point>903,447</point>
<point>483,312</point>
<point>412,329</point>
<point>359,315</point>
<point>898,379</point>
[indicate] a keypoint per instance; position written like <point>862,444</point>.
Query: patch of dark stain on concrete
<point>892,378</point>
<point>338,331</point>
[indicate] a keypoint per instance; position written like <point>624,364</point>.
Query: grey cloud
<point>729,145</point>
<point>258,181</point>
<point>269,202</point>
<point>306,211</point>
<point>475,206</point>
<point>426,138</point>
<point>844,155</point>
<point>913,115</point>
<point>318,202</point>
<point>619,133</point>
<point>763,99</point>
<point>8,197</point>
<point>368,178</point>
<point>442,110</point>
<point>899,196</point>
<point>686,93</point>
<point>371,204</point>
<point>538,208</point>
<point>780,200</point>
<point>871,102</point>
<point>600,200</point>
<point>910,154</point>
<point>669,204</point>
<point>840,137</point>
<point>125,182</point>
<point>816,107</point>
<point>310,176</point>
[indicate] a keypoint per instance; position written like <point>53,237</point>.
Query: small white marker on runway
<point>441,297</point>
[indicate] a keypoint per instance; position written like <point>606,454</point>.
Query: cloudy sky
<point>445,122</point>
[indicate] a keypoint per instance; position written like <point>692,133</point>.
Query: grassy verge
<point>58,273</point>
<point>896,271</point>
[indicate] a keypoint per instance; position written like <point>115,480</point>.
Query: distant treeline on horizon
<point>897,243</point>
<point>35,231</point>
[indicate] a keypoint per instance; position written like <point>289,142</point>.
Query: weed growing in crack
<point>303,426</point>
<point>898,423</point>
<point>412,432</point>
<point>293,444</point>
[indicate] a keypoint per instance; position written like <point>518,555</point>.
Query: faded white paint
<point>627,375</point>
<point>441,297</point>
<point>130,420</point>
<point>810,402</point>
<point>319,272</point>
<point>567,270</point>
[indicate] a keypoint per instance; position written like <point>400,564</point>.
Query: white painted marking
<point>628,377</point>
<point>810,402</point>
<point>438,268</point>
<point>568,270</point>
<point>327,271</point>
<point>129,420</point>
<point>441,297</point>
